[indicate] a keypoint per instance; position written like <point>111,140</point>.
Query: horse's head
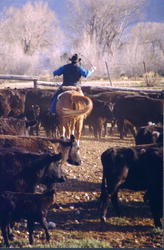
<point>70,151</point>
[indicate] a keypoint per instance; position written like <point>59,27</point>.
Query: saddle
<point>68,88</point>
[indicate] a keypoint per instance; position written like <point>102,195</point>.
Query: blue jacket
<point>72,73</point>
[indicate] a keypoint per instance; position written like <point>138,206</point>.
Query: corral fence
<point>36,83</point>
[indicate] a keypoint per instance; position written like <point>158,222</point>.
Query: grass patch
<point>64,243</point>
<point>120,221</point>
<point>85,243</point>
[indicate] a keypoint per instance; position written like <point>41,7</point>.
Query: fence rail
<point>34,79</point>
<point>36,82</point>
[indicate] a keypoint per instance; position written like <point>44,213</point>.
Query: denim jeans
<point>54,100</point>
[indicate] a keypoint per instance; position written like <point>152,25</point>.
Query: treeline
<point>103,32</point>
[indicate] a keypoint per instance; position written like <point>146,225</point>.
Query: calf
<point>32,207</point>
<point>33,114</point>
<point>136,168</point>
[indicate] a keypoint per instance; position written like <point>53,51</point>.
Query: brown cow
<point>12,102</point>
<point>15,126</point>
<point>35,144</point>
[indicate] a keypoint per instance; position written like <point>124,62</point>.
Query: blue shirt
<point>85,73</point>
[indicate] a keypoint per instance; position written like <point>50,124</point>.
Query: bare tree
<point>105,20</point>
<point>27,35</point>
<point>146,44</point>
<point>34,27</point>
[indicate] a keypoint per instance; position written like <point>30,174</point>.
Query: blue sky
<point>154,11</point>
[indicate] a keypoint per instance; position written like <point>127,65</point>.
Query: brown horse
<point>72,108</point>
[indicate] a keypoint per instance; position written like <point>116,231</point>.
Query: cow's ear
<point>72,138</point>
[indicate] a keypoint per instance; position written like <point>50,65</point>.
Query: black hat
<point>75,58</point>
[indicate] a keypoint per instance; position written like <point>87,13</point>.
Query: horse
<point>72,108</point>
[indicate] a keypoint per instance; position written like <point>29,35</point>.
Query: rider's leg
<point>54,100</point>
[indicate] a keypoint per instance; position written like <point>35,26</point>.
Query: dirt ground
<point>77,218</point>
<point>77,214</point>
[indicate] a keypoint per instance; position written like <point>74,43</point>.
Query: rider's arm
<point>86,73</point>
<point>58,71</point>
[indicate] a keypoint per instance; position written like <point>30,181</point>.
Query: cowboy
<point>72,73</point>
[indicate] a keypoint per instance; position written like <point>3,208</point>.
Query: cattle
<point>99,117</point>
<point>102,113</point>
<point>138,110</point>
<point>33,114</point>
<point>15,126</point>
<point>136,168</point>
<point>12,102</point>
<point>151,133</point>
<point>4,106</point>
<point>131,110</point>
<point>15,206</point>
<point>17,102</point>
<point>22,170</point>
<point>41,98</point>
<point>36,144</point>
<point>49,121</point>
<point>38,97</point>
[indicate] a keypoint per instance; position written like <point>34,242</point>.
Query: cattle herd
<point>29,159</point>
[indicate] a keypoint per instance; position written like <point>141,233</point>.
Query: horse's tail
<point>88,105</point>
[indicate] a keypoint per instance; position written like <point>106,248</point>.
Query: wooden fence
<point>36,83</point>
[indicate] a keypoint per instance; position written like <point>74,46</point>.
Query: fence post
<point>108,73</point>
<point>146,76</point>
<point>35,83</point>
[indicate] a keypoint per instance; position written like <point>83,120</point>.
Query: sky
<point>154,11</point>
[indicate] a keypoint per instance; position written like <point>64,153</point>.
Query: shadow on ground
<point>84,216</point>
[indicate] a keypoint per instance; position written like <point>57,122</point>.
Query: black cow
<point>22,171</point>
<point>139,110</point>
<point>136,168</point>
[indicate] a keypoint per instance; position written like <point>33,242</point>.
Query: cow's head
<point>70,151</point>
<point>53,173</point>
<point>74,156</point>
